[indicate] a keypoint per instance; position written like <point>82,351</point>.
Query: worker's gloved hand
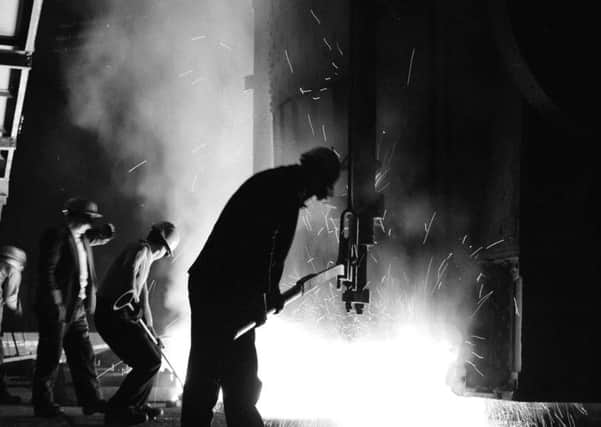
<point>259,310</point>
<point>276,301</point>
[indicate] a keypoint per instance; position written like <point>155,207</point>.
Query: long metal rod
<point>302,286</point>
<point>156,342</point>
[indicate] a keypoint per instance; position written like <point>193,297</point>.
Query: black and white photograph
<point>299,213</point>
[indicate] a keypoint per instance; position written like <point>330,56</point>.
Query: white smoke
<point>162,85</point>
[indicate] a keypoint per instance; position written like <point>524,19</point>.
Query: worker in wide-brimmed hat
<point>66,293</point>
<point>12,262</point>
<point>122,304</point>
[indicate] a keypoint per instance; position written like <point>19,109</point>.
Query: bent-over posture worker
<point>236,276</point>
<point>122,303</point>
<point>66,293</point>
<point>12,262</point>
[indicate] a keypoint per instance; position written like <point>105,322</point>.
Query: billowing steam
<point>162,85</point>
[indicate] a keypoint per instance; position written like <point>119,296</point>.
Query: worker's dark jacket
<point>245,252</point>
<point>58,276</point>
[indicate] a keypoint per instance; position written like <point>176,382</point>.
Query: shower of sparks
<point>323,130</point>
<point>224,45</point>
<point>410,67</point>
<point>327,44</point>
<point>310,124</point>
<point>339,49</point>
<point>137,166</point>
<point>427,228</point>
<point>492,245</point>
<point>315,16</point>
<point>198,38</point>
<point>185,73</point>
<point>288,60</point>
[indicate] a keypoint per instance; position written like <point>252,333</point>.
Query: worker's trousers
<point>74,337</point>
<point>130,343</point>
<point>217,361</point>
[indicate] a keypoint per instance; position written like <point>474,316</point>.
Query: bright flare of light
<point>399,380</point>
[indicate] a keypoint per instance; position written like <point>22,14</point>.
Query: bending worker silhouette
<point>122,301</point>
<point>234,279</point>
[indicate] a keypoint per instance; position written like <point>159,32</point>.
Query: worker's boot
<point>8,399</point>
<point>152,412</point>
<point>128,416</point>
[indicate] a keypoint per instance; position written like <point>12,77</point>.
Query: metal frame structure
<point>16,50</point>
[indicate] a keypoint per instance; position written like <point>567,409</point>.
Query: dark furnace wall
<point>477,122</point>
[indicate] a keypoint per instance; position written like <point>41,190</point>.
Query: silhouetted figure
<point>236,276</point>
<point>122,304</point>
<point>12,262</point>
<point>66,293</point>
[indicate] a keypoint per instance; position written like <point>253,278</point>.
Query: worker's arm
<point>101,234</point>
<point>13,281</point>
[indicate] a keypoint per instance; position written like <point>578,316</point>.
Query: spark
<point>197,149</point>
<point>316,98</point>
<point>288,60</point>
<point>320,230</point>
<point>198,38</point>
<point>374,258</point>
<point>480,276</point>
<point>334,65</point>
<point>198,80</point>
<point>479,337</point>
<point>327,44</point>
<point>338,154</point>
<point>137,166</point>
<point>473,254</point>
<point>222,44</point>
<point>185,73</point>
<point>481,302</point>
<point>323,130</point>
<point>327,78</point>
<point>475,367</point>
<point>464,239</point>
<point>495,243</point>
<point>339,49</point>
<point>303,91</point>
<point>311,124</point>
<point>315,16</point>
<point>481,290</point>
<point>427,227</point>
<point>323,89</point>
<point>515,303</point>
<point>477,355</point>
<point>410,66</point>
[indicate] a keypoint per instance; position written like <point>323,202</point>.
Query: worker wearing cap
<point>236,276</point>
<point>122,300</point>
<point>12,262</point>
<point>66,293</point>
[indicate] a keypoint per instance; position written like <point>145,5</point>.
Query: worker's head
<point>80,213</point>
<point>321,167</point>
<point>13,256</point>
<point>164,236</point>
